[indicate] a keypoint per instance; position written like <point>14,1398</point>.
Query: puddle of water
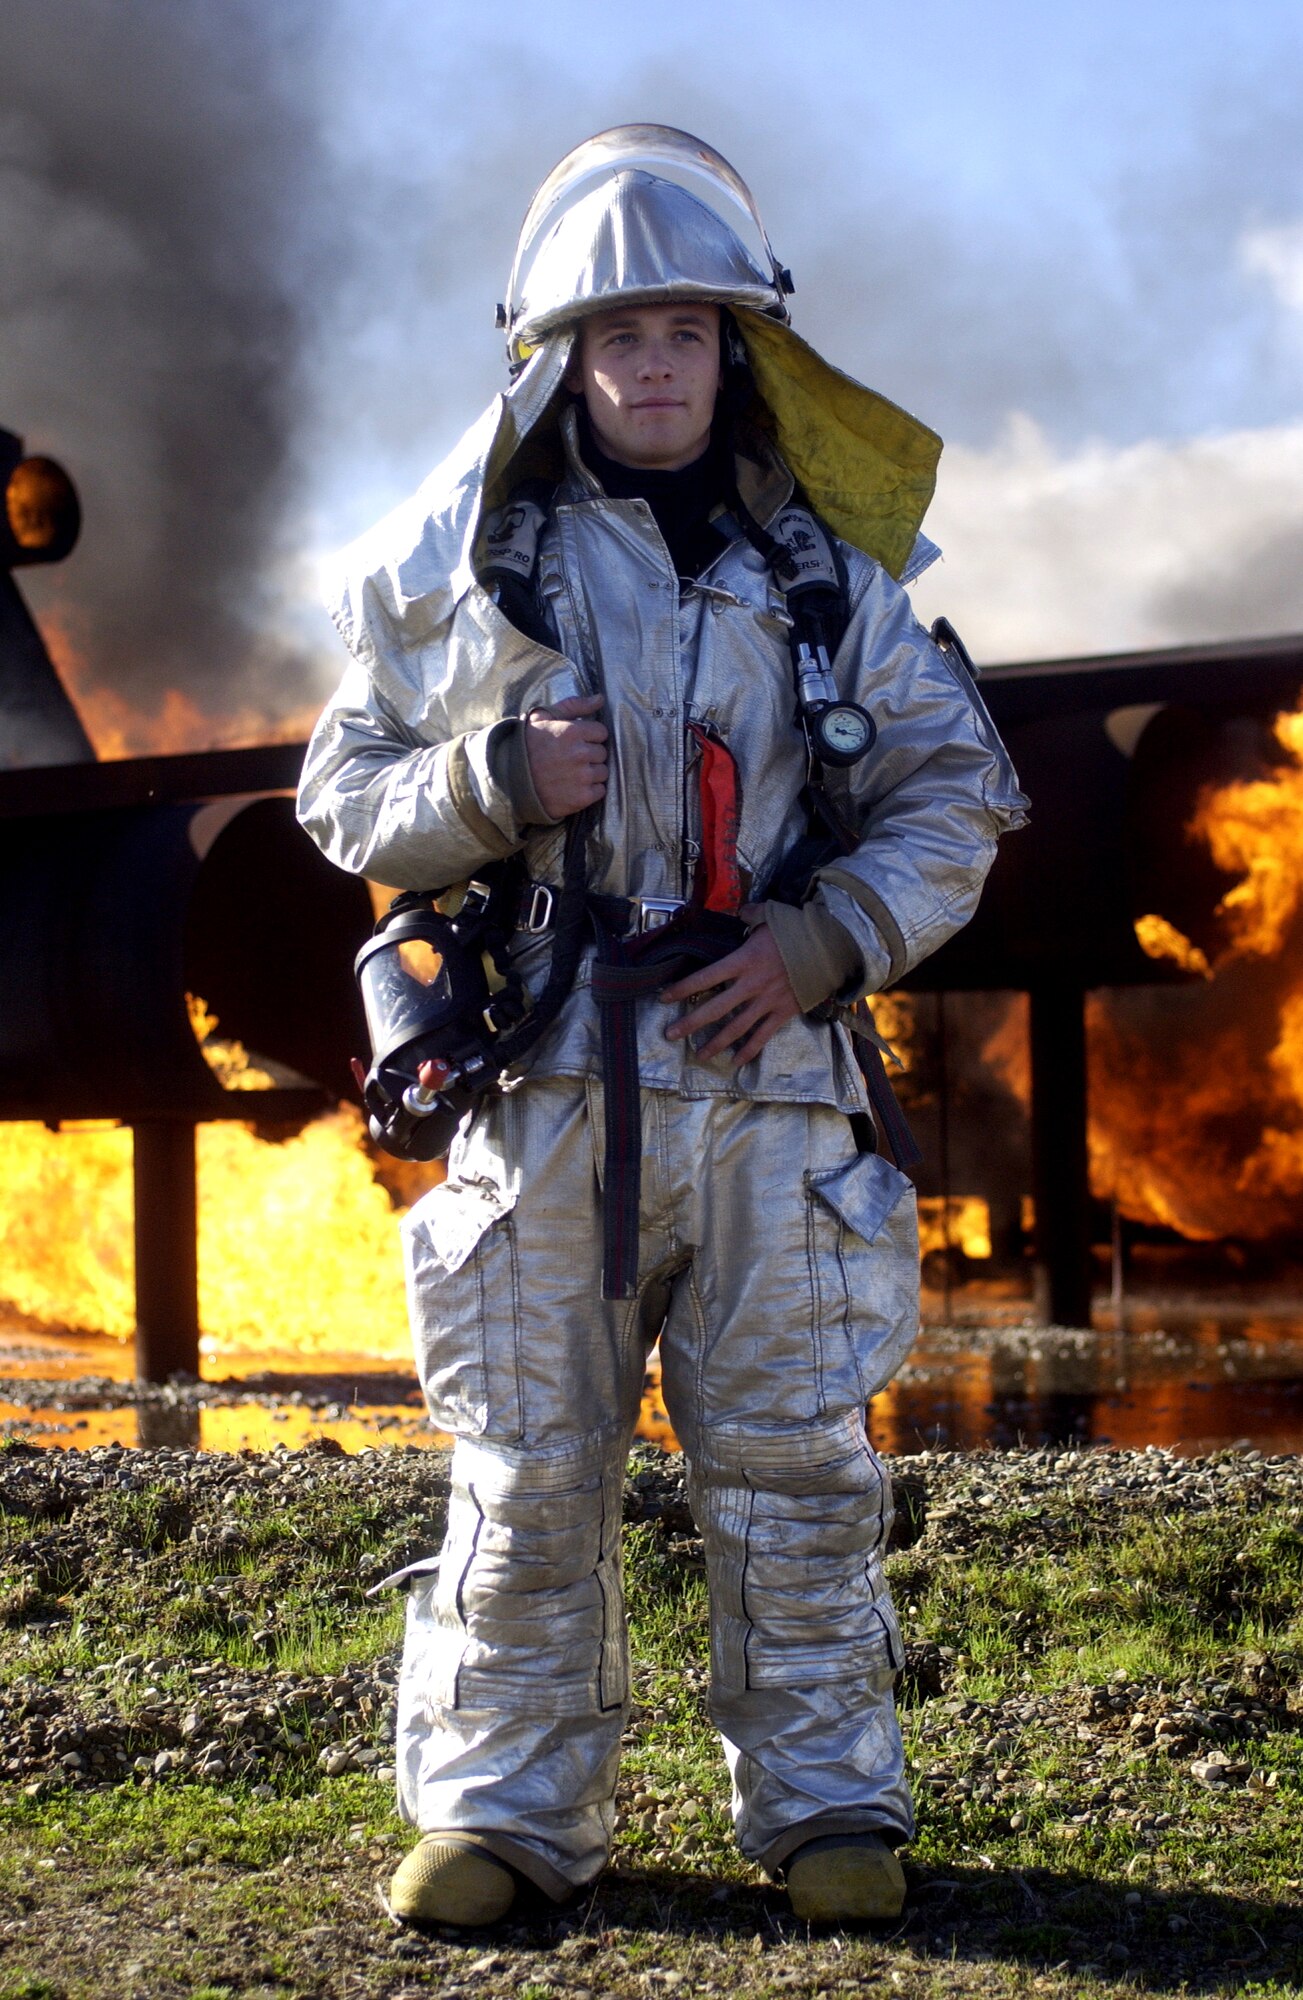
<point>232,1427</point>
<point>1178,1376</point>
<point>250,1402</point>
<point>1181,1376</point>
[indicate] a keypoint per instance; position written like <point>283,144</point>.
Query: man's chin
<point>653,451</point>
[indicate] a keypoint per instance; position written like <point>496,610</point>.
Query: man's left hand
<point>749,992</point>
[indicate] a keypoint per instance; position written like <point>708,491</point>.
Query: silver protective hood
<point>637,235</point>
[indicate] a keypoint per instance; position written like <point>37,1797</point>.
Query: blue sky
<point>994,206</point>
<point>1070,238</point>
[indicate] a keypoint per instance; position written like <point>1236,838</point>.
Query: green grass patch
<point>1063,1845</point>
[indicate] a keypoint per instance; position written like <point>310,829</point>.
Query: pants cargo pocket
<point>863,1223</point>
<point>463,1295</point>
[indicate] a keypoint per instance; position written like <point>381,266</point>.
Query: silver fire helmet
<point>605,227</point>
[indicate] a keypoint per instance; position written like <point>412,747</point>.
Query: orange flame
<point>1158,938</point>
<point>298,1248</point>
<point>1007,1049</point>
<point>1256,828</point>
<point>117,729</point>
<point>956,1222</point>
<point>1197,1093</point>
<point>229,1061</point>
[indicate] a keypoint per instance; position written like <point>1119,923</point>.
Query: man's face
<point>650,376</point>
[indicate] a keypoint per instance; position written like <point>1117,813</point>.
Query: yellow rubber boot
<point>846,1879</point>
<point>445,1880</point>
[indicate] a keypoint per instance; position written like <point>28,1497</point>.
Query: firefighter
<point>579,638</point>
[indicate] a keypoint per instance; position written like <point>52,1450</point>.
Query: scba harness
<point>439,985</point>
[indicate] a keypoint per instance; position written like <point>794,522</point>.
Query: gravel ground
<point>1063,1877</point>
<point>330,1395</point>
<point>94,1730</point>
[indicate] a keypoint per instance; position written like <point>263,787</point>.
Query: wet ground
<point>1196,1374</point>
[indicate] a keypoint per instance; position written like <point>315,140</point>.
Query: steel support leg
<point>1060,1174</point>
<point>167,1270</point>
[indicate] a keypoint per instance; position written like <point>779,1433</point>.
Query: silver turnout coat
<point>400,781</point>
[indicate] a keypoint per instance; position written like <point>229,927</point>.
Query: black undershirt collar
<point>680,501</point>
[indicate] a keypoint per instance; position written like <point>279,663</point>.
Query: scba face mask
<point>436,992</point>
<point>614,223</point>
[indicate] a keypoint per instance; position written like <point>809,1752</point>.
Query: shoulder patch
<point>508,543</point>
<point>808,550</point>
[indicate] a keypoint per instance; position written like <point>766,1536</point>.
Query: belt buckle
<point>654,912</point>
<point>538,914</point>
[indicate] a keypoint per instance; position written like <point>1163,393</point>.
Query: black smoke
<point>161,200</point>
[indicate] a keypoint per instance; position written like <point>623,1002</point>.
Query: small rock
<point>1218,1769</point>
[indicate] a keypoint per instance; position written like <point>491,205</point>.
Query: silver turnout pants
<point>779,1269</point>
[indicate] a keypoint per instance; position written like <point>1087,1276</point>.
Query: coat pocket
<point>463,1296</point>
<point>864,1221</point>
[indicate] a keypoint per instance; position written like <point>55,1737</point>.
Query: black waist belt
<point>630,969</point>
<point>642,947</point>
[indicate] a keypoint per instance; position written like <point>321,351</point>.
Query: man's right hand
<point>567,755</point>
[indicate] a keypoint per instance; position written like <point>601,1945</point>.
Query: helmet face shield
<point>642,214</point>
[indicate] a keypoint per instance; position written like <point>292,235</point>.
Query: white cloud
<point>1274,251</point>
<point>1105,549</point>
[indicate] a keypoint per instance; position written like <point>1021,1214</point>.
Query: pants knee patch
<point>795,1527</point>
<point>527,1612</point>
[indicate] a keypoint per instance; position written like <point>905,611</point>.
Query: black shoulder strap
<point>807,566</point>
<point>506,558</point>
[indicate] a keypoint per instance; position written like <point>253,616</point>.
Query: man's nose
<point>657,359</point>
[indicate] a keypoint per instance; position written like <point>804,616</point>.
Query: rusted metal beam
<point>139,781</point>
<point>167,1264</point>
<point>1060,1174</point>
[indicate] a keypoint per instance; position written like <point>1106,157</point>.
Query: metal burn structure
<point>125,886</point>
<point>1114,752</point>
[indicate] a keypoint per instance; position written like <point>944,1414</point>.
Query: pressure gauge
<point>841,732</point>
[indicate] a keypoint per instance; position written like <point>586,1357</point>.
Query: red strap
<point>720,804</point>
